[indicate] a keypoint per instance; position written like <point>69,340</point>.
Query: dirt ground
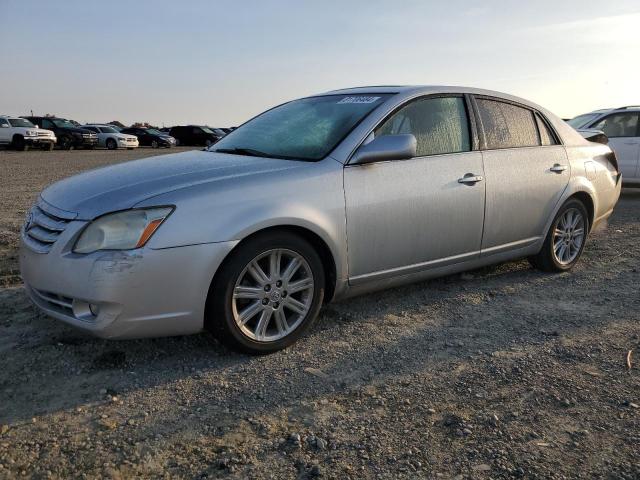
<point>499,373</point>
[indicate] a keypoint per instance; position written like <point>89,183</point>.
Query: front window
<point>21,122</point>
<point>439,124</point>
<point>305,129</point>
<point>62,123</point>
<point>582,120</point>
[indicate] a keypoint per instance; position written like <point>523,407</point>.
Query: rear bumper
<point>123,294</point>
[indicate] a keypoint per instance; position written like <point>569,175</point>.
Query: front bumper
<point>123,294</point>
<point>85,141</point>
<point>35,141</point>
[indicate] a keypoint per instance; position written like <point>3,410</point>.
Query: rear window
<point>506,125</point>
<point>619,125</point>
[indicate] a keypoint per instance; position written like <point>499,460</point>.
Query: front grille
<point>43,134</point>
<point>43,226</point>
<point>55,302</point>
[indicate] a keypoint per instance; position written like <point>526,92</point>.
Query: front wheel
<point>66,143</point>
<point>267,293</point>
<point>565,240</point>
<point>111,144</point>
<point>154,144</point>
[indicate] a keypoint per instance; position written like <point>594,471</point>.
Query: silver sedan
<point>315,200</point>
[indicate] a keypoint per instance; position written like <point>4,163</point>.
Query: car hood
<point>122,186</point>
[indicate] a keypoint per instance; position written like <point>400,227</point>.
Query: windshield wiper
<point>242,151</point>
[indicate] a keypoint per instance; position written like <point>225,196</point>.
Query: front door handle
<point>557,168</point>
<point>470,179</point>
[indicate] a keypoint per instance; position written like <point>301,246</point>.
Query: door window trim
<point>611,114</point>
<point>471,125</point>
<point>533,111</point>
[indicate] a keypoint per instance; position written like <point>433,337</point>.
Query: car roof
<point>628,108</point>
<point>409,91</point>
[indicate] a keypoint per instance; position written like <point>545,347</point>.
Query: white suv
<point>20,133</point>
<point>110,137</point>
<point>622,126</point>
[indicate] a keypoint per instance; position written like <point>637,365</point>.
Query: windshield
<point>62,123</point>
<point>20,122</point>
<point>305,129</point>
<point>206,129</point>
<point>582,120</point>
<point>153,131</point>
<point>108,130</point>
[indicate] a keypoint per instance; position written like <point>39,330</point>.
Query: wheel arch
<point>321,246</point>
<point>586,199</point>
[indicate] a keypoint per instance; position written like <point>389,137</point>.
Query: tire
<point>177,142</point>
<point>208,143</point>
<point>154,144</point>
<point>553,257</point>
<point>20,144</point>
<point>65,143</point>
<point>111,144</point>
<point>48,147</point>
<point>272,306</point>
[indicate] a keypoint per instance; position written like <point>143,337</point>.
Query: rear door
<point>526,172</point>
<point>405,216</point>
<point>623,130</point>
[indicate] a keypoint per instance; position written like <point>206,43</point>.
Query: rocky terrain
<point>505,372</point>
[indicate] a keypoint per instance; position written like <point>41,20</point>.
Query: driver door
<point>405,216</point>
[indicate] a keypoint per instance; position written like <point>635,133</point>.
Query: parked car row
<point>47,132</point>
<point>622,128</point>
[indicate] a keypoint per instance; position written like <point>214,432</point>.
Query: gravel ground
<point>499,373</point>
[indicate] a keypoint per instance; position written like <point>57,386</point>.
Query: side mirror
<point>387,147</point>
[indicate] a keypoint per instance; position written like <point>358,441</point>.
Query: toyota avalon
<point>314,200</point>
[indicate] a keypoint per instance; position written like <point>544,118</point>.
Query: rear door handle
<point>470,179</point>
<point>557,168</point>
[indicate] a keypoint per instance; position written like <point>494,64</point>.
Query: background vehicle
<point>195,135</point>
<point>622,127</point>
<point>69,135</point>
<point>21,134</point>
<point>150,137</point>
<point>112,139</point>
<point>318,199</point>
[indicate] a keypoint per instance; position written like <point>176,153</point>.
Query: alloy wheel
<point>272,295</point>
<point>568,236</point>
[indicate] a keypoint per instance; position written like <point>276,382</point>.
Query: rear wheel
<point>154,143</point>
<point>565,240</point>
<point>267,293</point>
<point>111,144</point>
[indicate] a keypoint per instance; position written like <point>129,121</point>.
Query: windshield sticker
<point>358,99</point>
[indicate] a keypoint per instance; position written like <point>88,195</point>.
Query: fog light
<point>94,309</point>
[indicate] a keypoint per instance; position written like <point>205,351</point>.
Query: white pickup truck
<point>21,134</point>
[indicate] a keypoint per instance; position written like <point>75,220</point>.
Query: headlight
<point>121,231</point>
<point>30,133</point>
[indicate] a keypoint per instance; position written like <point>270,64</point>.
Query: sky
<point>220,63</point>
